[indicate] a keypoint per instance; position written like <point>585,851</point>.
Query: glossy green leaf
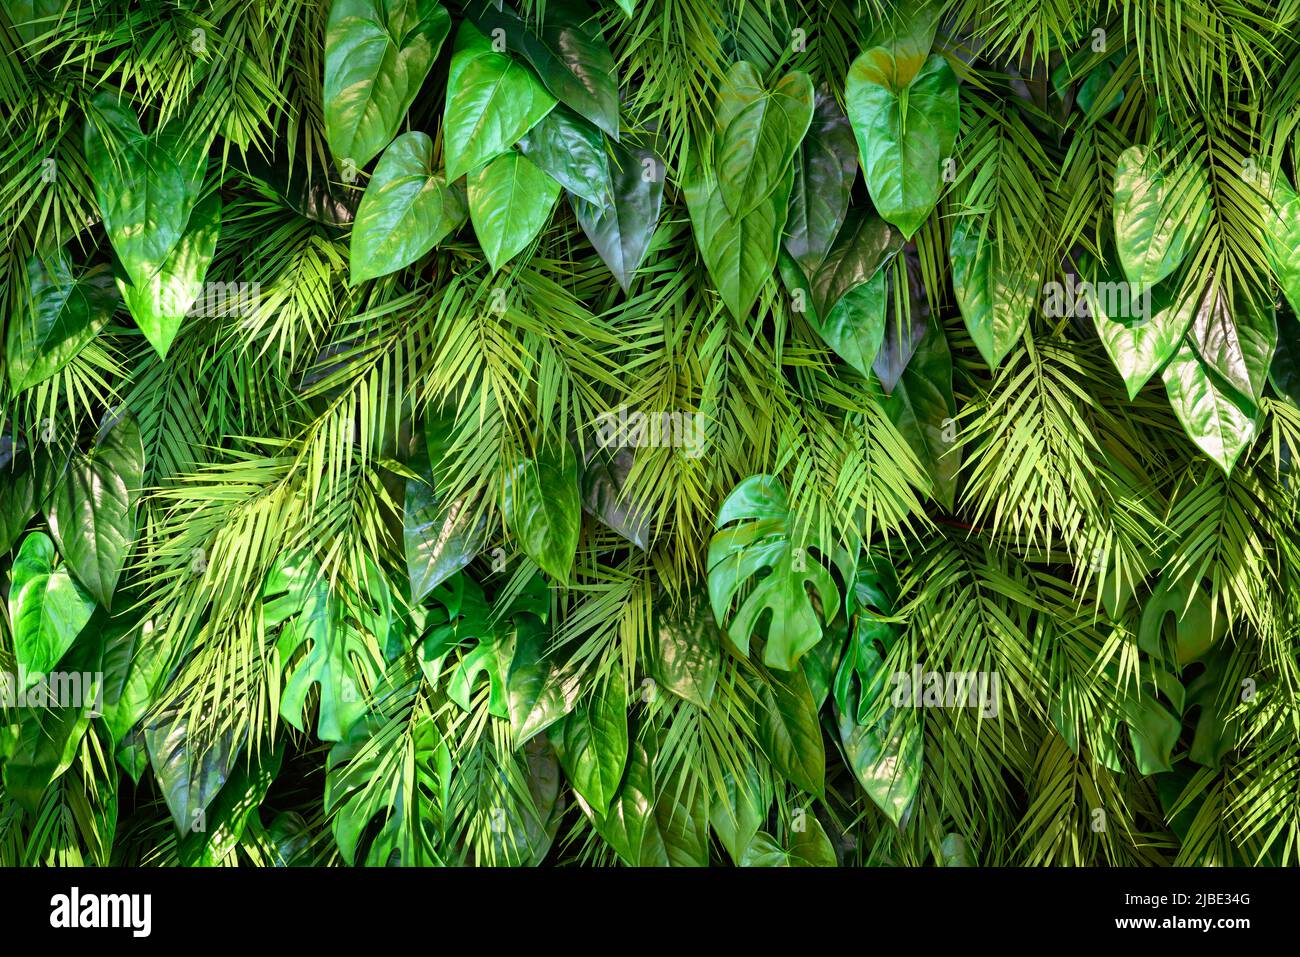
<point>1284,240</point>
<point>825,167</point>
<point>995,297</point>
<point>605,495</point>
<point>738,253</point>
<point>1140,328</point>
<point>629,826</point>
<point>538,692</point>
<point>491,103</point>
<point>904,134</point>
<point>1159,214</point>
<point>440,536</point>
<point>542,509</point>
<point>572,152</point>
<point>1212,418</point>
<point>739,810</point>
<point>407,209</point>
<point>18,496</point>
<point>144,186</point>
<point>1236,340</point>
<point>593,747</point>
<point>59,315</point>
<point>377,54</point>
<point>621,228</point>
<point>510,200</point>
<point>47,607</point>
<point>687,649</point>
<point>809,847</point>
<point>134,660</point>
<point>923,409</point>
<point>190,765</point>
<point>789,732</point>
<point>758,135</point>
<point>754,536</point>
<point>886,759</point>
<point>906,318</point>
<point>92,512</point>
<point>161,304</point>
<point>235,805</point>
<point>568,52</point>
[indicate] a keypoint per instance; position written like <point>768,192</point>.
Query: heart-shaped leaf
<point>995,295</point>
<point>1211,415</point>
<point>904,134</point>
<point>407,209</point>
<point>572,152</point>
<point>510,200</point>
<point>1236,340</point>
<point>145,186</point>
<point>758,134</point>
<point>738,253</point>
<point>377,54</point>
<point>491,103</point>
<point>622,226</point>
<point>161,304</point>
<point>47,607</point>
<point>568,52</point>
<point>61,314</point>
<point>593,746</point>
<point>542,509</point>
<point>92,512</point>
<point>825,167</point>
<point>1159,216</point>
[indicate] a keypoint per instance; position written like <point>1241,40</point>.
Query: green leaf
<point>738,253</point>
<point>1284,240</point>
<point>538,694</point>
<point>407,209</point>
<point>440,537</point>
<point>491,103</point>
<point>687,649</point>
<point>788,730</point>
<point>886,759</point>
<point>1159,218</point>
<point>92,512</point>
<point>161,304</point>
<point>630,826</point>
<point>593,746</point>
<point>758,135</point>
<point>133,664</point>
<point>1236,340</point>
<point>605,495</point>
<point>191,764</point>
<point>569,53</point>
<point>739,810</point>
<point>309,611</point>
<point>48,737</point>
<point>622,226</point>
<point>995,297</point>
<point>510,200</point>
<point>377,54</point>
<point>1211,416</point>
<point>60,315</point>
<point>542,509</point>
<point>18,501</point>
<point>905,318</point>
<point>572,152</point>
<point>47,607</point>
<point>1139,345</point>
<point>235,805</point>
<point>1284,374</point>
<point>809,847</point>
<point>825,168</point>
<point>760,541</point>
<point>904,133</point>
<point>143,185</point>
<point>923,410</point>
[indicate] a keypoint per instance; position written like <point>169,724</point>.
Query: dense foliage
<point>665,432</point>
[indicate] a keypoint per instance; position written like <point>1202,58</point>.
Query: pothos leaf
<point>542,508</point>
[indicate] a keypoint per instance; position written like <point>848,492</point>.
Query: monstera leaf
<point>542,508</point>
<point>1159,215</point>
<point>161,304</point>
<point>510,200</point>
<point>568,52</point>
<point>758,134</point>
<point>994,292</point>
<point>407,209</point>
<point>60,315</point>
<point>491,103</point>
<point>905,128</point>
<point>309,610</point>
<point>92,511</point>
<point>377,54</point>
<point>47,607</point>
<point>621,226</point>
<point>146,185</point>
<point>739,253</point>
<point>755,535</point>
